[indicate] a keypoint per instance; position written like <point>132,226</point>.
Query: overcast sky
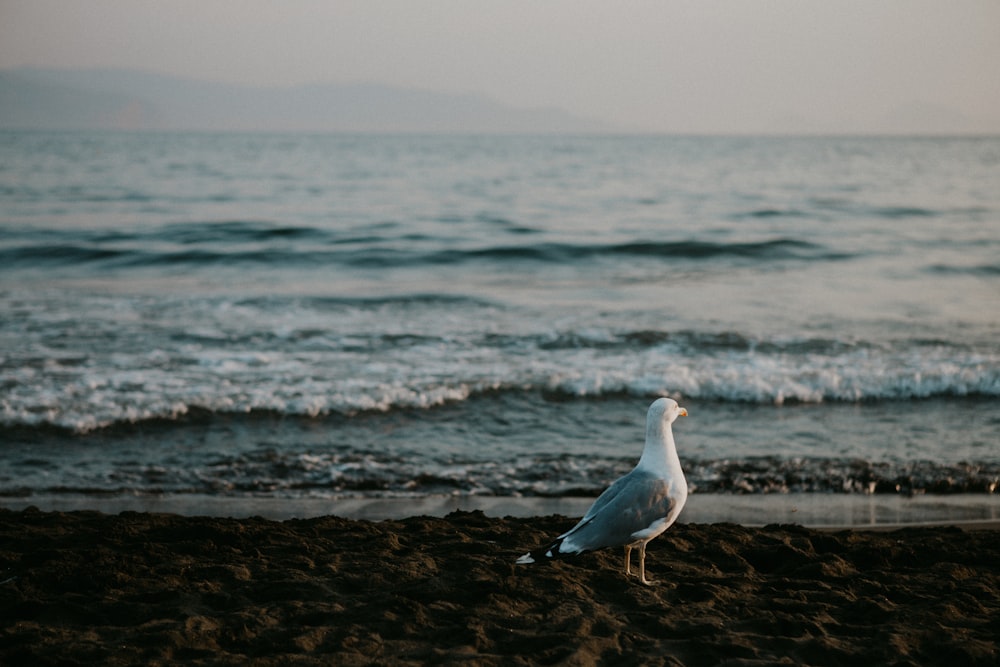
<point>663,65</point>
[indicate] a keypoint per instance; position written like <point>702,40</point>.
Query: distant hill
<point>125,99</point>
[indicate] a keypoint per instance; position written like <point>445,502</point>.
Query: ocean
<point>262,320</point>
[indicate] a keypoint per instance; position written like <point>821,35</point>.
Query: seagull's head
<point>666,410</point>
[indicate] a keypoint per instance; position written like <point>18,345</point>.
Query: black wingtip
<point>548,552</point>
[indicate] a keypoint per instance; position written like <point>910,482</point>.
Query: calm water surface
<point>327,316</point>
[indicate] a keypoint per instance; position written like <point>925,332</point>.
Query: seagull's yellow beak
<point>683,412</point>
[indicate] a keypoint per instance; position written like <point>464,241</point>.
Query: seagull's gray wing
<point>609,494</point>
<point>629,506</point>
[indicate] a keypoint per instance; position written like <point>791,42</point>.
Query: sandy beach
<point>157,589</point>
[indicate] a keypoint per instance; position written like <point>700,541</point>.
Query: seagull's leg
<point>642,566</point>
<point>628,560</point>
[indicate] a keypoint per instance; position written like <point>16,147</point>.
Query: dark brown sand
<point>133,589</point>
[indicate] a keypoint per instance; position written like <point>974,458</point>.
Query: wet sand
<point>140,588</point>
<point>847,510</point>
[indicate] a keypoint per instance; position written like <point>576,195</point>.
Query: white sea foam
<point>499,277</point>
<point>439,291</point>
<point>128,387</point>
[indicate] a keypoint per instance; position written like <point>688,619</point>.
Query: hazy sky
<point>665,65</point>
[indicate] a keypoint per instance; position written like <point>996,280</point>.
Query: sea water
<point>295,316</point>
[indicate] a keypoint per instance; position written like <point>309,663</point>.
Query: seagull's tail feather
<point>548,552</point>
<point>552,551</point>
<point>557,548</point>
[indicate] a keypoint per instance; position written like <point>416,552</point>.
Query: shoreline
<point>822,511</point>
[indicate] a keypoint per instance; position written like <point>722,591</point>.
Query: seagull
<point>635,508</point>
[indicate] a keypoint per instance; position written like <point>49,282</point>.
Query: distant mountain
<point>125,99</point>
